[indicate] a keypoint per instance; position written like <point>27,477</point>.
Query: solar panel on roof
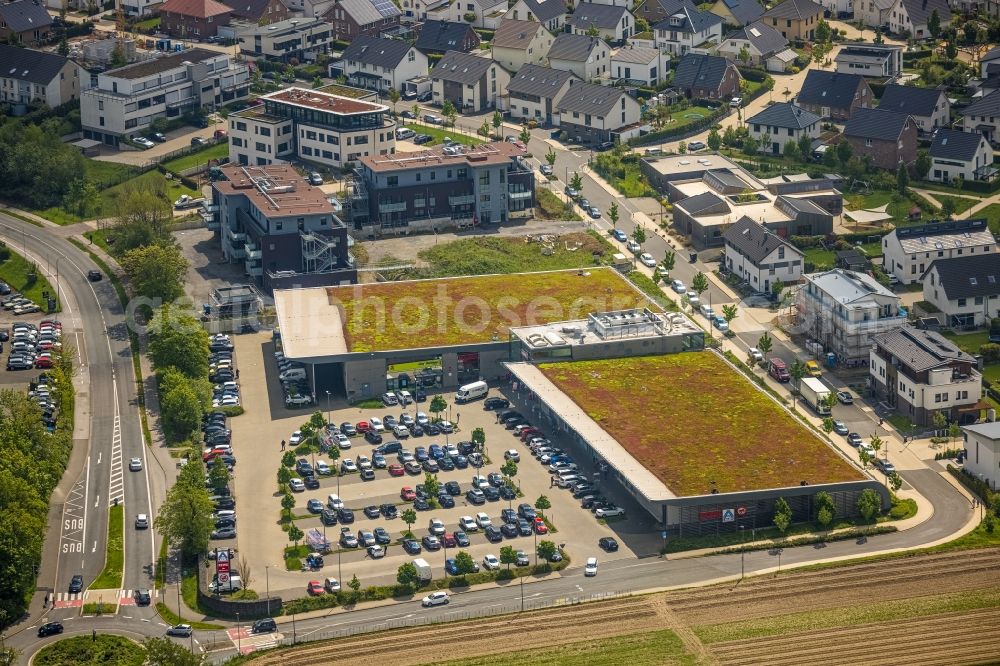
<point>384,7</point>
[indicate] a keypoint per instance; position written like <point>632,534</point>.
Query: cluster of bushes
<point>982,489</point>
<point>947,454</point>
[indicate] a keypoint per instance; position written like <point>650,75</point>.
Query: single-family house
<point>417,11</point>
<point>982,451</point>
<point>759,256</point>
<point>352,18</point>
<point>377,63</point>
<point>485,14</point>
<point>795,19</point>
<point>873,13</point>
<point>889,138</point>
<point>587,57</point>
<point>834,95</point>
<point>876,60</point>
<point>780,123</point>
<point>965,289</point>
<point>992,57</point>
<point>24,22</point>
<point>686,27</point>
<point>613,23</point>
<point>702,76</point>
<point>28,76</point>
<point>911,16</point>
<point>640,65</point>
<point>472,83</point>
<point>442,36</point>
<point>983,116</point>
<point>534,91</point>
<point>956,154</point>
<point>197,19</point>
<point>738,12</point>
<point>918,373</point>
<point>929,107</point>
<point>550,13</point>
<point>517,43</point>
<point>909,251</point>
<point>627,4</point>
<point>596,114</point>
<point>766,46</point>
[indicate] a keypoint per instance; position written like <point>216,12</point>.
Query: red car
<point>362,427</point>
<point>449,540</point>
<point>540,527</point>
<point>315,588</point>
<point>528,433</point>
<point>395,469</point>
<point>43,362</point>
<point>51,322</point>
<point>407,494</point>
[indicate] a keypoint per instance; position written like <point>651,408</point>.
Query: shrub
<point>990,352</point>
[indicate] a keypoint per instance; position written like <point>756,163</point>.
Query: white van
<point>706,311</point>
<point>292,374</point>
<point>405,133</point>
<point>470,392</point>
<point>234,584</point>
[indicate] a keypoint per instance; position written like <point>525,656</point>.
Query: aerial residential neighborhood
<point>645,331</point>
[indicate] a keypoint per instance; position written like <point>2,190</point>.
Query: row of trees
<point>824,509</point>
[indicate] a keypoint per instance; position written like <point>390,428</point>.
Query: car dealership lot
<point>257,435</point>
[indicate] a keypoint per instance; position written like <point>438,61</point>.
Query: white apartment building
<point>909,251</point>
<point>128,99</point>
<point>310,125</point>
<point>982,449</point>
<point>300,38</point>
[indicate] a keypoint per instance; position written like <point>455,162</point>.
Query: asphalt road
<point>97,475</point>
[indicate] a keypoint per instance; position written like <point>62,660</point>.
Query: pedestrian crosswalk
<point>68,599</point>
<point>125,597</point>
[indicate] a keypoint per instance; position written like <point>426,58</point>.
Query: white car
<point>323,468</point>
<point>348,466</point>
<point>755,354</point>
<point>467,524</point>
<point>736,102</point>
<point>435,599</point>
<point>334,502</point>
<point>422,419</point>
<point>609,511</point>
<point>295,439</point>
<point>512,454</point>
<point>342,440</point>
<point>633,247</point>
<point>491,563</point>
<point>227,401</point>
<point>678,286</point>
<point>298,400</point>
<point>436,527</point>
<point>296,485</point>
<point>364,462</point>
<point>400,431</point>
<point>647,260</point>
<point>590,568</point>
<point>376,552</point>
<point>143,141</point>
<point>135,465</point>
<point>483,520</point>
<point>376,424</point>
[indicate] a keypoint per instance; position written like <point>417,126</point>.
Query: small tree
<point>295,534</point>
<point>550,157</point>
<point>479,437</point>
<point>895,482</point>
<point>954,431</point>
<point>922,166</point>
<point>409,516</point>
<point>576,182</point>
<point>864,457</point>
<point>407,575</point>
<point>876,441</point>
<point>415,109</point>
<point>805,147</point>
<point>431,484</point>
<point>776,288</point>
<point>542,503</point>
<point>823,32</point>
<point>681,147</point>
<point>509,469</point>
<point>484,129</point>
<point>764,344</point>
<point>902,179</point>
<point>828,425</point>
<point>546,550</point>
<point>744,55</point>
<point>782,514</point>
<point>508,555</point>
<point>714,140</point>
<point>287,504</point>
<point>284,476</point>
<point>791,150</point>
<point>464,563</point>
<point>613,214</point>
<point>438,405</point>
<point>639,234</point>
<point>699,283</point>
<point>948,208</point>
<point>497,121</point>
<point>525,135</point>
<point>669,260</point>
<point>950,49</point>
<point>355,586</point>
<point>869,504</point>
<point>797,371</point>
<point>826,510</point>
<point>288,459</point>
<point>394,98</point>
<point>448,111</point>
<point>592,31</point>
<point>934,24</point>
<point>939,420</point>
<point>729,312</point>
<point>844,152</point>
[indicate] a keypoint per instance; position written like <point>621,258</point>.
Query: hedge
<point>753,74</point>
<point>975,485</point>
<point>910,56</point>
<point>680,132</point>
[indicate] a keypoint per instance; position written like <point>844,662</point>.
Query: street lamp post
<point>742,553</point>
<point>239,636</point>
<point>522,591</point>
<point>327,406</point>
<point>267,578</point>
<point>340,573</point>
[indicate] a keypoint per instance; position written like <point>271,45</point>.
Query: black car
<point>495,403</point>
<point>495,479</point>
<point>225,503</point>
<point>465,448</point>
<point>373,437</point>
<point>76,584</point>
<point>142,597</point>
<point>493,535</point>
<point>514,421</point>
<point>461,462</point>
<point>420,504</point>
<point>446,464</point>
<point>389,510</point>
<point>583,491</point>
<point>94,276</point>
<point>508,530</point>
<point>591,501</point>
<point>345,515</point>
<point>420,395</point>
<point>453,488</point>
<point>50,628</point>
<point>264,626</point>
<point>524,527</point>
<point>409,115</point>
<point>224,522</point>
<point>446,501</point>
<point>526,511</point>
<point>348,429</point>
<point>311,483</point>
<point>608,544</point>
<point>507,493</point>
<point>432,430</point>
<point>328,517</point>
<point>411,546</point>
<point>372,511</point>
<point>422,138</point>
<point>492,494</point>
<point>508,516</point>
<point>508,413</point>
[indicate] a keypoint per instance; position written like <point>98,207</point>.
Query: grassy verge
<point>26,277</point>
<point>551,207</point>
<point>98,608</point>
<point>170,617</point>
<point>438,134</point>
<point>114,560</point>
<point>191,160</point>
<point>106,203</point>
<point>24,218</point>
<point>651,289</point>
<point>640,649</point>
<point>883,611</point>
<point>371,403</point>
<point>189,588</point>
<point>101,650</point>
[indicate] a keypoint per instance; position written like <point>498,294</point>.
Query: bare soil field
<point>964,637</point>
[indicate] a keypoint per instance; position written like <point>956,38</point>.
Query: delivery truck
<point>815,392</point>
<point>423,570</point>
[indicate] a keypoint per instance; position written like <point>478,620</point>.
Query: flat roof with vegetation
<point>697,424</point>
<point>443,312</point>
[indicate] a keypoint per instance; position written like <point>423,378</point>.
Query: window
<point>868,143</point>
<point>418,176</point>
<point>358,140</point>
<point>411,56</point>
<point>265,131</point>
<point>100,104</point>
<point>392,181</point>
<point>241,126</point>
<point>237,142</point>
<point>311,136</point>
<point>484,198</point>
<point>961,302</point>
<point>781,252</point>
<point>306,150</point>
<point>327,155</point>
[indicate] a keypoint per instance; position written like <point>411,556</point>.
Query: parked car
<point>647,260</point>
<point>845,397</point>
<point>696,145</point>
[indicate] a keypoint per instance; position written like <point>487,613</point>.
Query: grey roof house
<point>928,106</point>
<point>983,116</point>
<point>834,95</point>
<point>534,91</point>
<point>706,76</point>
<point>550,13</point>
<point>966,289</point>
<point>597,114</point>
<point>472,83</point>
<point>28,76</point>
<point>956,154</point>
<point>443,36</point>
<point>587,57</point>
<point>766,46</point>
<point>738,12</point>
<point>24,22</point>
<point>888,138</point>
<point>614,23</point>
<point>759,256</point>
<point>686,27</point>
<point>377,63</point>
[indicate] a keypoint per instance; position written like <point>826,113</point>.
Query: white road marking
<point>99,457</point>
<point>94,549</point>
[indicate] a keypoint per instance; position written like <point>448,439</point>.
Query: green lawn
<point>102,650</point>
<point>992,215</point>
<point>154,181</point>
<point>991,373</point>
<point>623,173</point>
<point>15,270</point>
<point>550,207</point>
<point>438,134</point>
<point>961,204</point>
<point>820,258</point>
<point>504,254</point>
<point>642,649</point>
<point>114,563</point>
<point>185,162</point>
<point>968,342</point>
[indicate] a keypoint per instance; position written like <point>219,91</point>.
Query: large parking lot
<point>257,437</point>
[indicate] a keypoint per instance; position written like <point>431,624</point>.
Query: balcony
<point>238,253</point>
<point>399,207</point>
<point>256,270</point>
<point>253,254</point>
<point>519,195</point>
<point>462,200</point>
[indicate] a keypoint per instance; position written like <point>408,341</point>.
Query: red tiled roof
<point>195,8</point>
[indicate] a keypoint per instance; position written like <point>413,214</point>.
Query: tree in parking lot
<point>479,437</point>
<point>546,549</point>
<point>355,586</point>
<point>797,371</point>
<point>869,503</point>
<point>699,283</point>
<point>284,476</point>
<point>288,459</point>
<point>782,514</point>
<point>409,516</point>
<point>508,555</point>
<point>613,214</point>
<point>576,182</point>
<point>438,405</point>
<point>287,504</point>
<point>415,110</point>
<point>764,344</point>
<point>295,534</point>
<point>826,510</point>
<point>550,157</point>
<point>218,475</point>
<point>449,112</point>
<point>509,470</point>
<point>431,485</point>
<point>185,517</point>
<point>407,576</point>
<point>464,563</point>
<point>542,503</point>
<point>312,429</point>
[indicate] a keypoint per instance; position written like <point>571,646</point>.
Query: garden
<point>485,255</point>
